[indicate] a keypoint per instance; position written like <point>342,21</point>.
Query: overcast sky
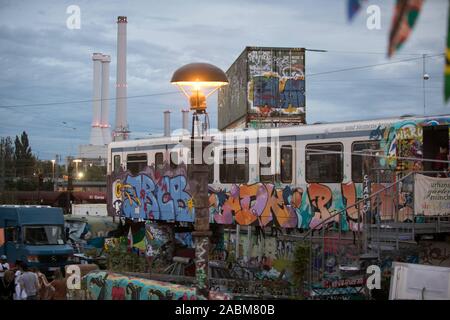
<point>42,61</point>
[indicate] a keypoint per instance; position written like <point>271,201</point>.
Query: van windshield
<point>42,235</point>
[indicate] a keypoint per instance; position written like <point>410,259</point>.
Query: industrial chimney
<point>106,134</point>
<point>167,123</point>
<point>185,119</point>
<point>96,131</point>
<point>121,129</point>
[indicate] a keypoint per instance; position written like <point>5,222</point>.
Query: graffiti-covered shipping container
<point>266,88</point>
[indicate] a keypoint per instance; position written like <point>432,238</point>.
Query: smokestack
<point>105,100</point>
<point>96,131</point>
<point>185,119</point>
<point>121,130</point>
<point>167,123</point>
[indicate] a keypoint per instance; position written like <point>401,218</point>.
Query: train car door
<point>435,142</point>
<point>286,172</point>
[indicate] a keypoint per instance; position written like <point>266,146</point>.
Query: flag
<point>353,7</point>
<point>139,239</point>
<point>447,60</point>
<point>130,240</point>
<point>405,16</point>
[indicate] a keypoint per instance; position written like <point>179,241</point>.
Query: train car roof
<point>307,129</point>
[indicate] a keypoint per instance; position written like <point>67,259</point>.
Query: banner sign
<point>431,195</point>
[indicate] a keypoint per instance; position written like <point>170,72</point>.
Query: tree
<point>7,164</point>
<point>23,156</point>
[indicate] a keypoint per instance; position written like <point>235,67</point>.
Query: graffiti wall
<point>265,205</point>
<point>265,85</point>
<point>404,139</point>
<point>435,253</point>
<point>276,81</point>
<point>103,285</point>
<point>153,194</point>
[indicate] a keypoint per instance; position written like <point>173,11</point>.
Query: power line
<point>375,52</point>
<point>371,65</point>
<point>174,92</point>
<point>85,101</point>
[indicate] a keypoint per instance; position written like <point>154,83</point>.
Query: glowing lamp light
<point>80,175</point>
<point>198,81</point>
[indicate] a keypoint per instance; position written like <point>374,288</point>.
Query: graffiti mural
<point>264,205</point>
<point>277,82</point>
<point>435,253</point>
<point>153,194</point>
<point>164,195</point>
<point>201,254</point>
<point>404,139</point>
<point>103,285</point>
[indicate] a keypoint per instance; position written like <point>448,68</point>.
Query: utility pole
<point>425,77</point>
<point>55,185</point>
<point>209,76</point>
<point>69,183</point>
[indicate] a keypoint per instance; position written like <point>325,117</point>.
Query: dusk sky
<point>42,61</point>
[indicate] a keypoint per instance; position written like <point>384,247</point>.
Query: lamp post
<point>53,173</point>
<point>198,81</point>
<point>77,161</point>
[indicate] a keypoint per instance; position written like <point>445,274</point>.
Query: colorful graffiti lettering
<point>154,195</point>
<point>264,205</point>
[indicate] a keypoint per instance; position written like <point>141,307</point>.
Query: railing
<point>385,220</point>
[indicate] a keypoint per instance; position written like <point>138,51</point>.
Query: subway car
<point>287,177</point>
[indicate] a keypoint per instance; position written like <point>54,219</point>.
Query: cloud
<point>43,62</point>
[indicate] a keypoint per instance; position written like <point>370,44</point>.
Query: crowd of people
<point>24,283</point>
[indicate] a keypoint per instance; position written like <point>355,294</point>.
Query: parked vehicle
<point>35,235</point>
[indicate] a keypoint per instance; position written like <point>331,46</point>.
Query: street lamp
<point>53,170</point>
<point>77,161</point>
<point>198,81</point>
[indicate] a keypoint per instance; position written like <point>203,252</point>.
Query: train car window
<point>265,164</point>
<point>286,164</point>
<point>159,160</point>
<point>324,163</point>
<point>136,163</point>
<point>173,159</point>
<point>116,164</point>
<point>365,160</point>
<point>235,169</point>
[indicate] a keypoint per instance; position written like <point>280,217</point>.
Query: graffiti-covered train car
<point>293,177</point>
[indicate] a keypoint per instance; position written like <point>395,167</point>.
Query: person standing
<point>60,285</point>
<point>19,294</point>
<point>4,265</point>
<point>45,289</point>
<point>7,286</point>
<point>29,282</point>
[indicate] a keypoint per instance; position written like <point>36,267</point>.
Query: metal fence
<point>385,221</point>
